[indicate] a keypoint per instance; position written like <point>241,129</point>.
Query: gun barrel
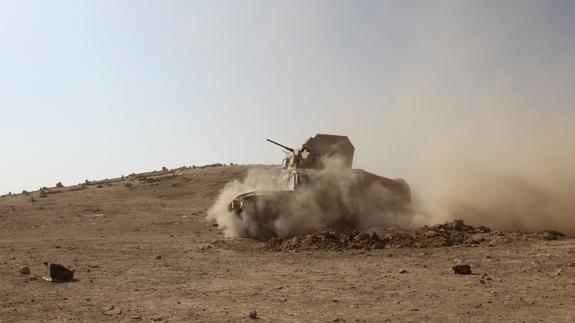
<point>284,147</point>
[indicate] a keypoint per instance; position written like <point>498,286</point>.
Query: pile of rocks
<point>442,235</point>
<point>329,240</point>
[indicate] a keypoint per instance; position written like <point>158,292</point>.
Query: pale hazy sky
<point>97,89</point>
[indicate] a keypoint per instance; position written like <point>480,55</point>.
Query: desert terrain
<point>142,250</point>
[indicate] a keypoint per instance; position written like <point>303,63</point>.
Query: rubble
<point>448,234</point>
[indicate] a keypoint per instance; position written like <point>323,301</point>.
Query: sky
<point>98,89</point>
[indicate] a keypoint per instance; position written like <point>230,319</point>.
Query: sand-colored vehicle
<point>317,167</point>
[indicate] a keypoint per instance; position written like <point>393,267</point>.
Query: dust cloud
<point>257,179</point>
<point>508,177</point>
<point>340,198</point>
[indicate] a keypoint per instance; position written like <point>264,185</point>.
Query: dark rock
<point>377,245</point>
<point>253,315</point>
<point>461,269</point>
<point>60,273</point>
<point>25,270</point>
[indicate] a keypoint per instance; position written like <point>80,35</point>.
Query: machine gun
<point>284,147</point>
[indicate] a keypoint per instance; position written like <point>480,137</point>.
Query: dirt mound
<point>329,240</point>
<point>441,235</point>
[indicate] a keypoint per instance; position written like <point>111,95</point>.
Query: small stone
<point>115,311</point>
<point>551,235</point>
<point>461,269</point>
<point>377,245</point>
<point>558,272</point>
<point>159,257</point>
<point>25,270</point>
<point>403,271</point>
<point>111,310</point>
<point>253,315</point>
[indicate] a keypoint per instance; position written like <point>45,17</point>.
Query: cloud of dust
<point>339,198</point>
<point>257,179</point>
<point>514,178</point>
<point>485,114</point>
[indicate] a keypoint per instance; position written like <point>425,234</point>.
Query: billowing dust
<point>336,200</point>
<point>518,177</point>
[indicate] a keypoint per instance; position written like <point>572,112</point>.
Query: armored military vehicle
<point>304,170</point>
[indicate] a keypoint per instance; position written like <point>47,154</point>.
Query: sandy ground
<point>142,250</point>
